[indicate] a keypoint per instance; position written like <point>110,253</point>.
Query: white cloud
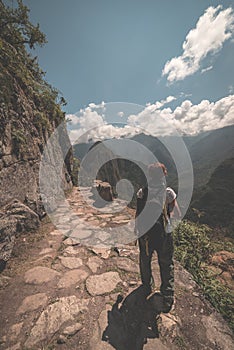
<point>188,118</point>
<point>121,114</point>
<point>191,119</point>
<point>97,106</point>
<point>206,69</point>
<point>231,89</point>
<point>213,28</point>
<point>160,104</point>
<point>82,125</point>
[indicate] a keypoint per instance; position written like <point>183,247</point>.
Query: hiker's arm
<point>139,208</point>
<point>175,210</point>
<point>138,211</point>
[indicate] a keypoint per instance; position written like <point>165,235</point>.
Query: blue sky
<point>115,50</point>
<point>132,51</point>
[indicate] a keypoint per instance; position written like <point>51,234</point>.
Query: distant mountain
<point>81,149</point>
<point>214,203</point>
<point>207,150</point>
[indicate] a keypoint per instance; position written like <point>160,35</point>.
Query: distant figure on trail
<point>156,204</point>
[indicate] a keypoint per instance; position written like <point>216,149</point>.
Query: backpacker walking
<point>156,204</point>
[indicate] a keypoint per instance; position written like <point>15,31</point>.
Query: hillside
<point>210,151</point>
<point>215,200</point>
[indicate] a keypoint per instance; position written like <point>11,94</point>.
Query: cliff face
<point>21,147</point>
<point>30,111</point>
<point>22,142</point>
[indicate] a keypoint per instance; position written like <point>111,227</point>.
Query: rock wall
<point>21,147</point>
<point>23,136</point>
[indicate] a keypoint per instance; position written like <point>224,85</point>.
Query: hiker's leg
<point>145,262</point>
<point>165,259</point>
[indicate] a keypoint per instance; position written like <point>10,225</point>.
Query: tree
<point>16,29</point>
<point>19,70</point>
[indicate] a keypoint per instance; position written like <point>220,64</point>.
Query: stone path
<point>59,297</point>
<point>89,224</point>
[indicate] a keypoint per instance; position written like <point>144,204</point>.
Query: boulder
<point>104,190</point>
<point>27,219</point>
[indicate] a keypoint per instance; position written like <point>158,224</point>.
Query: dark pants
<point>157,240</point>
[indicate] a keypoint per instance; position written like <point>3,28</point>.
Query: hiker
<point>156,204</point>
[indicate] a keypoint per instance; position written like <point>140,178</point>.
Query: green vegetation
<point>21,79</point>
<point>180,343</point>
<point>193,249</point>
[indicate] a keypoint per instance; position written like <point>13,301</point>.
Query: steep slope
<point>215,200</point>
<point>30,110</point>
<point>210,151</point>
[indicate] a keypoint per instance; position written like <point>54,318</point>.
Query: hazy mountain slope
<point>210,151</point>
<point>207,150</point>
<point>128,169</point>
<point>215,200</point>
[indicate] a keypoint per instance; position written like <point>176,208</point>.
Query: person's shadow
<point>130,324</point>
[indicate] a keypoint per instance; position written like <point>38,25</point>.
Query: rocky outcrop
<point>14,219</point>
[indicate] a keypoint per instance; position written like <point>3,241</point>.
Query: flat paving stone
<point>71,262</point>
<point>40,274</point>
<point>101,284</point>
<point>81,234</point>
<point>33,302</point>
<point>70,250</point>
<point>94,263</point>
<point>72,277</point>
<point>126,264</point>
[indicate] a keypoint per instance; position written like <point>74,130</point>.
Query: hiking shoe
<point>167,303</point>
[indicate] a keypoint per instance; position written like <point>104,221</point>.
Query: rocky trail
<point>55,293</point>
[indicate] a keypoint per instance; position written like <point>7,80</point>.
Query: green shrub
<point>193,249</point>
<point>192,244</point>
